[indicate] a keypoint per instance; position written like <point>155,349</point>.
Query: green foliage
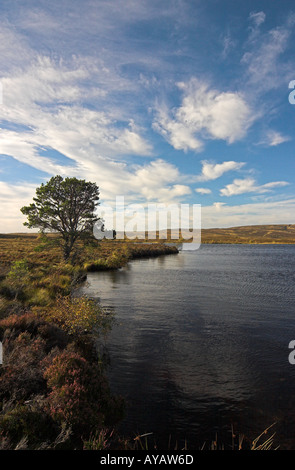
<point>18,270</point>
<point>117,259</point>
<point>18,276</point>
<point>40,296</point>
<point>65,206</point>
<point>77,315</point>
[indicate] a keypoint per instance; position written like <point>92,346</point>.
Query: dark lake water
<point>201,342</point>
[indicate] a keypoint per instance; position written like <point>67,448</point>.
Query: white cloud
<point>204,114</point>
<point>12,198</point>
<point>158,181</point>
<point>80,106</point>
<point>49,98</point>
<point>95,141</point>
<point>203,190</point>
<point>248,185</point>
<point>257,17</point>
<point>218,205</point>
<point>211,171</point>
<point>179,134</point>
<point>279,212</point>
<point>24,148</point>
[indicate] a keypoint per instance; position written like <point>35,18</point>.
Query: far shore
<point>248,234</point>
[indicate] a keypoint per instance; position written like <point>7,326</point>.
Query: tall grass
<point>106,439</point>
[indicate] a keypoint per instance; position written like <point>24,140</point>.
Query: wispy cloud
<point>222,215</point>
<point>228,43</point>
<point>249,185</point>
<point>49,100</point>
<point>256,19</point>
<point>218,205</point>
<point>265,69</point>
<point>108,90</point>
<point>203,190</point>
<point>212,171</point>
<point>274,138</point>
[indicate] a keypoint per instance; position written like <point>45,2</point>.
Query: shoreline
<point>51,334</point>
<point>244,234</point>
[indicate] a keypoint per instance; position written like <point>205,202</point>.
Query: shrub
<point>77,315</point>
<point>114,260</point>
<point>98,265</point>
<point>80,395</point>
<point>18,276</point>
<point>39,296</point>
<point>21,377</point>
<point>4,306</point>
<point>27,340</point>
<point>22,422</point>
<point>12,326</point>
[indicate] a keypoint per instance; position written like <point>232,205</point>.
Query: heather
<point>54,391</point>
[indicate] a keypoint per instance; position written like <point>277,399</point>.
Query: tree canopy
<point>66,206</point>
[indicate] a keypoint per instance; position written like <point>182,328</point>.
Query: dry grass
<point>262,442</point>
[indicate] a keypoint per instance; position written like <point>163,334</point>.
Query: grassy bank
<point>54,393</point>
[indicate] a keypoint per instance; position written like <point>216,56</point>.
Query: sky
<point>174,101</point>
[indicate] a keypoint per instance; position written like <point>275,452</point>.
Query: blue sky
<point>160,101</point>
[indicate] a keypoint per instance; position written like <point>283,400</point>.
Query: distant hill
<point>250,234</point>
<point>243,234</point>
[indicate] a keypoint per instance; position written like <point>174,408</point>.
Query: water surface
<point>201,342</point>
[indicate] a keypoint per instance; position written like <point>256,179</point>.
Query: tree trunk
<point>68,246</point>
